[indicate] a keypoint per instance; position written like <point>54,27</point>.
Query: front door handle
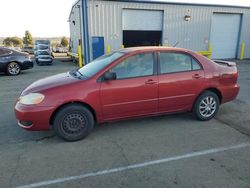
<point>196,76</point>
<point>150,82</point>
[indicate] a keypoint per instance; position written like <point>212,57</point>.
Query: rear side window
<point>4,51</point>
<point>195,65</point>
<point>1,52</point>
<point>177,62</point>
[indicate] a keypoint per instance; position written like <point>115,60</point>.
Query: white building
<point>113,24</point>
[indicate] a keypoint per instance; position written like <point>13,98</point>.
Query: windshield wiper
<point>77,74</point>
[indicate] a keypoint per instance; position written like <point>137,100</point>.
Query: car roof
<point>153,48</point>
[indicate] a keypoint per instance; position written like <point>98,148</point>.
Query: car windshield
<point>42,47</point>
<point>43,53</point>
<point>98,64</point>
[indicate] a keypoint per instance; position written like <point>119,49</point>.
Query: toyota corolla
<point>129,83</point>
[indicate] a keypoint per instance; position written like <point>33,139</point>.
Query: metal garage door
<point>145,20</point>
<point>225,35</point>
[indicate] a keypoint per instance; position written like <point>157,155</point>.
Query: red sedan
<point>129,83</point>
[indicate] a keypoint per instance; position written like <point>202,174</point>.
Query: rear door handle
<point>150,82</point>
<point>196,76</point>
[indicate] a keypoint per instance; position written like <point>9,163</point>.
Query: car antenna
<point>176,44</point>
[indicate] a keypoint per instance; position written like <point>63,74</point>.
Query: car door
<point>134,91</point>
<point>4,58</point>
<point>180,79</point>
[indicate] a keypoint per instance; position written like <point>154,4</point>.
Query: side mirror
<point>109,76</point>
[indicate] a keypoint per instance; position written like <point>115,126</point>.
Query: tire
<point>37,62</point>
<point>206,106</point>
<point>13,69</point>
<point>73,122</point>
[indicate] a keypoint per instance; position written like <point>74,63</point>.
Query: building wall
<point>75,31</point>
<point>105,19</point>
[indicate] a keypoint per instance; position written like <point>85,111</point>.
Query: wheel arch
<point>14,61</point>
<point>52,118</point>
<point>214,90</point>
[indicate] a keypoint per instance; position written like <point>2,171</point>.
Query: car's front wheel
<point>13,69</point>
<point>73,122</point>
<point>206,106</point>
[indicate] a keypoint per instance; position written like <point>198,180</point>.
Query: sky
<point>43,18</point>
<point>48,18</point>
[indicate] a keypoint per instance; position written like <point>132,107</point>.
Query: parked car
<point>44,57</point>
<point>12,61</point>
<point>60,49</point>
<point>43,53</point>
<point>129,83</point>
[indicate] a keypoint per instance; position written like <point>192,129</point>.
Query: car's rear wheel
<point>13,68</point>
<point>206,106</point>
<point>73,122</point>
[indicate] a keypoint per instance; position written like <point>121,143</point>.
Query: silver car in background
<point>43,54</point>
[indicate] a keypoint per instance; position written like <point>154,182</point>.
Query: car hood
<point>50,82</point>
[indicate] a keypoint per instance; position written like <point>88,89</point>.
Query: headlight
<point>31,98</point>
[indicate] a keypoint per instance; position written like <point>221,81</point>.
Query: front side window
<point>98,64</point>
<point>177,62</point>
<point>135,66</point>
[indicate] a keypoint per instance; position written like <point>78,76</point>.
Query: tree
<point>27,39</point>
<point>54,44</point>
<point>64,42</point>
<point>7,42</point>
<point>13,41</point>
<point>17,42</point>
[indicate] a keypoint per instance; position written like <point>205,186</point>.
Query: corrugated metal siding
<point>75,29</point>
<point>245,32</point>
<point>106,20</point>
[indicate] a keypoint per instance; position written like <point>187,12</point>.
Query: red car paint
<point>128,98</point>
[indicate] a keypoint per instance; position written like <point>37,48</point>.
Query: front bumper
<point>33,118</point>
<point>27,65</point>
<point>49,60</point>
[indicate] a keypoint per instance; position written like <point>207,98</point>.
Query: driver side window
<point>135,66</point>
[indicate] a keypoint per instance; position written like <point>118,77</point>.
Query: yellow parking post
<point>108,49</point>
<point>242,50</point>
<point>80,56</point>
<point>207,53</point>
<point>122,46</point>
<point>210,49</point>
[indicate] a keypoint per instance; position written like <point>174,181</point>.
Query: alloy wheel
<point>207,106</point>
<point>14,68</point>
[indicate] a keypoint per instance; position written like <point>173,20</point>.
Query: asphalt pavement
<point>164,151</point>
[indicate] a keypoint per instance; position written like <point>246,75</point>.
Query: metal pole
<point>79,49</point>
<point>85,32</point>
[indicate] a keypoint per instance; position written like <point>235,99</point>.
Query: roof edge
<point>74,4</point>
<point>180,3</point>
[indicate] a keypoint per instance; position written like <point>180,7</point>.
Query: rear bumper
<point>230,93</point>
<point>27,65</point>
<point>33,118</point>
